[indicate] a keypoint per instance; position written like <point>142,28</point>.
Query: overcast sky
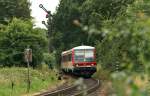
<point>38,13</point>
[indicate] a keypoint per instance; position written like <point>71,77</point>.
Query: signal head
<point>41,6</point>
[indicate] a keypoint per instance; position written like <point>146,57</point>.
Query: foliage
<point>125,48</point>
<point>94,12</point>
<point>103,75</point>
<point>50,59</point>
<point>125,84</point>
<point>126,40</point>
<point>14,8</point>
<point>16,37</point>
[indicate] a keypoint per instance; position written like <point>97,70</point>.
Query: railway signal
<point>43,22</point>
<point>48,12</point>
<point>28,55</point>
<point>41,6</point>
<point>48,25</point>
<point>28,59</point>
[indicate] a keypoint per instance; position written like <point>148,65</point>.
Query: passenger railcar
<point>79,60</point>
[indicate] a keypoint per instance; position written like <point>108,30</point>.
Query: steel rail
<point>57,92</point>
<point>90,90</point>
<point>72,90</point>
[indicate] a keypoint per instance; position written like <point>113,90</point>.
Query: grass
<point>40,79</point>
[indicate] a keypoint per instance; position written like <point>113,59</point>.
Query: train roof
<point>64,52</point>
<point>78,47</point>
<point>83,47</point>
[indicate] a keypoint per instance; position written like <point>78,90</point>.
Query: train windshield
<point>84,55</point>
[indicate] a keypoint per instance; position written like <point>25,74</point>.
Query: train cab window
<point>89,55</point>
<point>84,55</point>
<point>79,55</point>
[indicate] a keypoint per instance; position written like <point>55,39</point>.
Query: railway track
<point>80,88</point>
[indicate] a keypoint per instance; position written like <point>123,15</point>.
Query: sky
<point>38,13</point>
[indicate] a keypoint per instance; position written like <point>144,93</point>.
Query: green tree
<point>17,36</point>
<point>14,8</point>
<point>95,11</point>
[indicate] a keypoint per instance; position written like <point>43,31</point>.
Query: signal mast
<point>48,25</point>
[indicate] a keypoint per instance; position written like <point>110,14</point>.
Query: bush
<point>102,74</point>
<point>50,60</point>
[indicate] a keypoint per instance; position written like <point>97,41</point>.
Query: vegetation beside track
<point>123,83</point>
<point>13,81</point>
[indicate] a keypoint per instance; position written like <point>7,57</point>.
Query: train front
<point>84,60</point>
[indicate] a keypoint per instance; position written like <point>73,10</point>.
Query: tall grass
<point>13,81</point>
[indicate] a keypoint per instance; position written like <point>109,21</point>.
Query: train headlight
<point>77,65</point>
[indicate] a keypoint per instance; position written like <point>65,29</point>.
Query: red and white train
<point>79,60</point>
